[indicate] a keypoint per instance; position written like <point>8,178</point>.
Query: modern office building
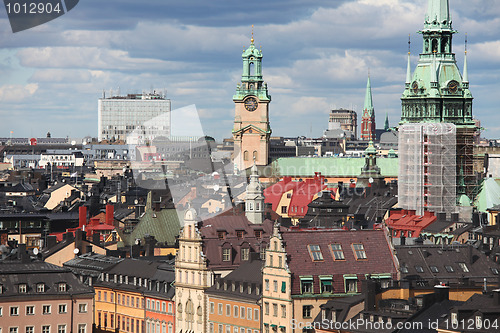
<point>347,119</point>
<point>145,115</point>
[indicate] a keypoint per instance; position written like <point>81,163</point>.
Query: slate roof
<point>422,257</point>
<point>13,273</point>
<point>248,274</point>
<point>379,258</point>
<point>229,225</point>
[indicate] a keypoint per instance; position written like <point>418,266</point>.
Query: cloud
<point>17,93</point>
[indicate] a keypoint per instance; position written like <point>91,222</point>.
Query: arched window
<point>245,155</point>
<point>179,311</point>
<point>255,155</point>
<point>434,45</point>
<point>199,312</point>
<point>189,311</point>
<point>251,69</point>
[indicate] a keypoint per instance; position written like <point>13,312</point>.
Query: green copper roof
<point>438,15</point>
<point>333,166</point>
<point>370,149</point>
<point>368,98</point>
<point>386,124</point>
<point>489,195</point>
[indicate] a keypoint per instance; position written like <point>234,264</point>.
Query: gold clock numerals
<point>251,104</point>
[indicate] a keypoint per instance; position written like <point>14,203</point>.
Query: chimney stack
<point>82,216</point>
<point>110,213</point>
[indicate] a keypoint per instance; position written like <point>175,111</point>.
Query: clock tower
<point>437,92</point>
<point>251,129</point>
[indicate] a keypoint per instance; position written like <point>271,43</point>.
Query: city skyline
<point>316,57</point>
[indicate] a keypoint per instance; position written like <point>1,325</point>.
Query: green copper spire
<point>465,79</point>
<point>386,125</point>
<point>368,98</point>
<point>438,15</point>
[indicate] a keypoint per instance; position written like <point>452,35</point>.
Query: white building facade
<point>120,116</point>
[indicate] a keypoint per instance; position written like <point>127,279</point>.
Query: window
<point>434,269</point>
<point>22,288</point>
<point>315,252</point>
<point>283,287</point>
<point>212,307</point>
<point>275,310</point>
<point>46,329</point>
<point>40,288</point>
<point>256,314</point>
<point>449,268</point>
<point>242,312</point>
<point>236,311</point>
<point>169,307</point>
<point>46,309</point>
<point>306,284</point>
<point>245,254</point>
<point>258,233</point>
<point>463,266</point>
<point>283,311</point>
<point>404,268</point>
<point>359,251</point>
<point>351,285</point>
<point>82,308</point>
<point>266,308</point>
<point>226,254</point>
<point>30,329</point>
<point>283,209</point>
<point>338,254</point>
<point>306,311</point>
<point>14,311</point>
<point>13,329</point>
<point>62,287</point>
<point>419,269</point>
<point>61,329</point>
<point>275,286</point>
<point>280,261</point>
<point>30,310</point>
<point>228,310</point>
<point>228,329</point>
<point>220,309</point>
<point>266,283</point>
<point>82,328</point>
<point>62,308</point>
<point>249,313</point>
<point>326,285</point>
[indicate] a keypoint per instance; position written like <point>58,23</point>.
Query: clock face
<point>453,87</point>
<point>414,87</point>
<point>251,104</point>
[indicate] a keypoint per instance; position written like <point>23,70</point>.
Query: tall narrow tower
<point>437,92</point>
<point>368,119</point>
<point>251,129</point>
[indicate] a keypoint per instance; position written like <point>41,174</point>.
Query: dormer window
<point>315,252</point>
<point>62,287</point>
<point>23,288</point>
<point>226,254</point>
<point>239,234</point>
<point>221,235</point>
<point>258,233</point>
<point>121,278</point>
<point>40,288</point>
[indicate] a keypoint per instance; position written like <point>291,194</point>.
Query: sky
<point>316,56</point>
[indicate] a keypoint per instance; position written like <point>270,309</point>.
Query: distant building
<point>119,116</point>
<point>347,119</point>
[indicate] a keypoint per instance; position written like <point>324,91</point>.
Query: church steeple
<point>386,124</point>
<point>368,119</point>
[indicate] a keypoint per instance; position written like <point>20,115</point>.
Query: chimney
<point>110,211</point>
<point>94,221</point>
<point>442,292</point>
<point>369,290</point>
<point>96,238</point>
<point>496,297</point>
<point>150,246</point>
<point>82,216</point>
<point>51,242</point>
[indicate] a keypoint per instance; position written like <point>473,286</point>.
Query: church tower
<point>251,129</point>
<point>437,92</point>
<point>254,199</point>
<point>368,119</point>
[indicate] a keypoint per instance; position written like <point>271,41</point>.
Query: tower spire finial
<point>252,40</point>
<point>408,67</point>
<point>465,79</point>
<point>409,43</point>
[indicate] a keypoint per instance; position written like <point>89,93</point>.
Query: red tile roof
<point>403,221</point>
<point>379,256</point>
